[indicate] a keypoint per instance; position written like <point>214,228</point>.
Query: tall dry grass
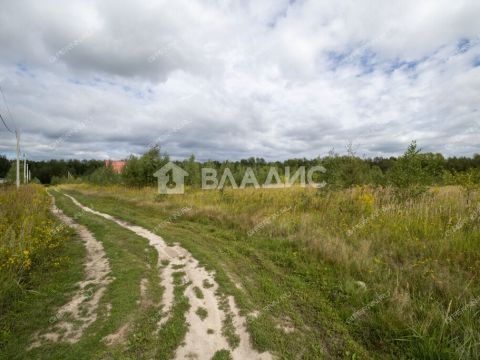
<point>29,237</point>
<point>423,251</point>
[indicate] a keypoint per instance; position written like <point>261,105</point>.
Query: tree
<point>104,176</point>
<point>433,165</point>
<point>407,174</point>
<point>11,176</point>
<point>4,166</point>
<point>139,170</point>
<point>193,169</point>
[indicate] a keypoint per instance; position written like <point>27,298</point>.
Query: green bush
<point>407,174</point>
<point>139,170</point>
<point>104,176</point>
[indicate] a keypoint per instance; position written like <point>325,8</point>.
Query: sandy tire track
<point>198,344</point>
<point>74,317</point>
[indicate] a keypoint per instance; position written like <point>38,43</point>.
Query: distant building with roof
<point>116,165</point>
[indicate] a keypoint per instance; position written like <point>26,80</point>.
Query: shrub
<point>407,174</point>
<point>139,170</point>
<point>29,238</point>
<point>104,176</point>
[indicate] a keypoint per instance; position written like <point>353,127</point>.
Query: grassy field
<point>47,288</point>
<point>331,274</point>
<point>40,261</point>
<point>351,274</point>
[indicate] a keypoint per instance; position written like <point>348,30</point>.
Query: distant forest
<point>45,170</point>
<point>342,170</point>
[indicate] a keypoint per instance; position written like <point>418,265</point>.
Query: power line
<point>17,136</point>
<point>8,109</point>
<point>6,126</point>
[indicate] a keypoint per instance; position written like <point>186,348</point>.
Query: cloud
<point>276,79</point>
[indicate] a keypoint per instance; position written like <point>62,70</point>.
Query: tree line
<point>44,171</point>
<point>413,168</point>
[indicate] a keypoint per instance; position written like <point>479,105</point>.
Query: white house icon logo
<point>178,175</point>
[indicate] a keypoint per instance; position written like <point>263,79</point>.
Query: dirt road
<point>206,333</point>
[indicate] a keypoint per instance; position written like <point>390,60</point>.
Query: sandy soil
<point>198,344</point>
<point>73,318</point>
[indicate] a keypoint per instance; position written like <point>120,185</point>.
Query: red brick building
<point>117,165</point>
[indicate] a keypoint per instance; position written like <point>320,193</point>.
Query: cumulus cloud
<point>232,79</point>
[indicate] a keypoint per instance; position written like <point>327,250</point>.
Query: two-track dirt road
<point>205,336</point>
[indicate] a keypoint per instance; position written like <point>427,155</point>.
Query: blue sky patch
<point>463,45</point>
<point>24,70</point>
<point>365,58</point>
<point>476,61</point>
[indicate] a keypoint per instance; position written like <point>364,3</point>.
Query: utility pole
<point>24,168</point>
<point>26,174</point>
<point>17,134</point>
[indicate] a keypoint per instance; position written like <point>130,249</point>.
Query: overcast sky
<point>233,79</point>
